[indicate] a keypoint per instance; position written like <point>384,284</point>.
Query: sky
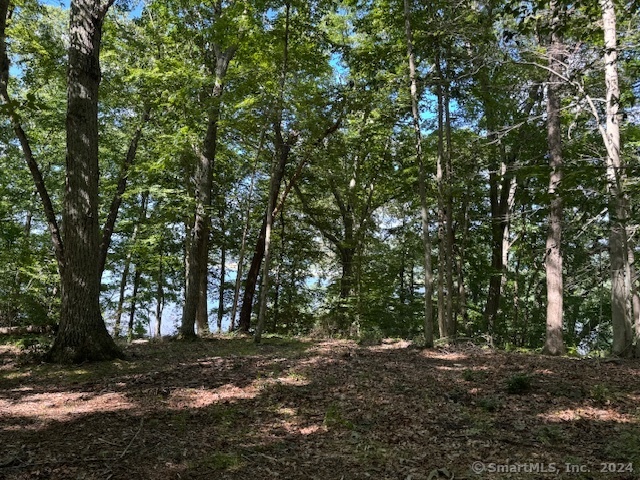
<point>135,12</point>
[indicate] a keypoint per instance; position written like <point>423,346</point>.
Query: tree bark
<point>245,232</point>
<point>127,264</point>
<point>442,261</point>
<point>618,209</point>
<point>450,317</point>
<point>223,269</point>
<point>110,222</point>
<point>134,299</point>
<point>25,144</point>
<point>422,181</point>
<point>198,254</point>
<point>160,294</point>
<point>82,334</point>
<point>554,344</point>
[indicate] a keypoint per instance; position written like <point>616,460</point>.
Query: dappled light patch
<point>391,344</point>
<point>63,406</point>
<point>183,398</point>
<point>589,413</point>
<point>199,411</point>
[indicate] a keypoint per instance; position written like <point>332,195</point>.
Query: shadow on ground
<point>226,409</point>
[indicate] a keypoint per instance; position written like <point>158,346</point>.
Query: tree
<point>424,209</point>
<point>621,317</point>
<point>553,256</point>
<point>82,334</point>
<point>198,244</point>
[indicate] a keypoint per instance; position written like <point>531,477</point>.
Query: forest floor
<point>224,408</point>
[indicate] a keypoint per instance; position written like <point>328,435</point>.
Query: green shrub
<point>370,338</point>
<point>519,383</point>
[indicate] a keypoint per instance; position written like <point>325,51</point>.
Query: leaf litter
<point>224,408</point>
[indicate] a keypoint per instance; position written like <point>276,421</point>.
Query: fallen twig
<point>134,437</point>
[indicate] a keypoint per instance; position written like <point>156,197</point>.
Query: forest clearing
<point>225,408</point>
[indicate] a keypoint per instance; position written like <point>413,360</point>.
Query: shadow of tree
<point>327,410</point>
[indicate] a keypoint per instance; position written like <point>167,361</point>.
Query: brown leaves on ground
<point>226,409</point>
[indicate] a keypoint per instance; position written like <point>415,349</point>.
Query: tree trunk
<point>554,344</point>
<point>635,296</point>
<point>25,145</point>
<point>160,294</point>
<point>462,292</point>
<point>127,264</point>
<point>450,317</point>
<point>202,314</point>
<point>244,322</point>
<point>110,223</point>
<point>198,255</point>
<point>245,232</point>
<point>618,250</point>
<point>82,334</point>
<point>223,269</point>
<point>264,288</point>
<point>442,322</point>
<point>422,180</point>
<point>134,298</point>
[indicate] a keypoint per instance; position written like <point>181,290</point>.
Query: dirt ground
<point>223,408</point>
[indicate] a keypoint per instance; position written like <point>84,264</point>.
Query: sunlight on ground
<point>587,413</point>
<point>182,398</point>
<point>63,406</point>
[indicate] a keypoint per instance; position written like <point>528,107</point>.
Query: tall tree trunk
<point>202,314</point>
<point>134,299</point>
<point>82,334</point>
<point>282,150</point>
<point>635,299</point>
<point>422,181</point>
<point>450,317</point>
<point>223,268</point>
<point>442,319</point>
<point>262,252</point>
<point>198,255</point>
<point>25,145</point>
<point>127,264</point>
<point>462,292</point>
<point>160,294</point>
<point>245,233</point>
<point>110,223</point>
<point>264,288</point>
<point>554,344</point>
<point>618,209</point>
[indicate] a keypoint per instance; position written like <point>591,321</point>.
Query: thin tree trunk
<point>442,323</point>
<point>462,292</point>
<point>245,233</point>
<point>110,223</point>
<point>160,294</point>
<point>202,314</point>
<point>198,255</point>
<point>264,288</point>
<point>282,149</point>
<point>635,295</point>
<point>450,318</point>
<point>127,264</point>
<point>424,209</point>
<point>620,272</point>
<point>134,298</point>
<point>223,268</point>
<point>25,145</point>
<point>554,344</point>
<point>82,334</point>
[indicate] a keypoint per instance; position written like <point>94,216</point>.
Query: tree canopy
<point>340,158</point>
